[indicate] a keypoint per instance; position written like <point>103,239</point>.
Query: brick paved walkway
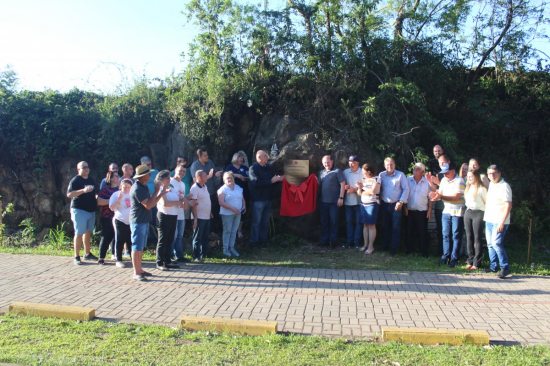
<point>347,303</point>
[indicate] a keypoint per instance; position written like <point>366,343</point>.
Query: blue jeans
<point>329,222</point>
<point>391,226</point>
<point>261,211</point>
<point>139,232</point>
<point>452,227</point>
<point>495,244</point>
<point>354,228</point>
<point>200,239</point>
<point>230,227</point>
<point>177,243</point>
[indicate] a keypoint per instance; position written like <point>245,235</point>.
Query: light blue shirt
<point>232,197</point>
<point>393,187</point>
<point>418,194</point>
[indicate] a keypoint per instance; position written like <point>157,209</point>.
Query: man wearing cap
<point>419,210</point>
<point>451,192</point>
<point>394,192</point>
<point>140,215</point>
<point>331,196</point>
<point>354,228</point>
<point>82,193</point>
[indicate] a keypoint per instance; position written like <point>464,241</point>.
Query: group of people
<point>462,199</point>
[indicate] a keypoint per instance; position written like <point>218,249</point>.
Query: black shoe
<point>90,257</point>
<point>443,261</point>
<point>171,265</point>
<point>181,260</point>
<point>453,263</point>
<point>101,262</point>
<point>77,261</point>
<point>489,270</point>
<point>503,273</point>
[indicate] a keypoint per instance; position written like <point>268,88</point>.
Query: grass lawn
<point>289,251</point>
<point>36,341</point>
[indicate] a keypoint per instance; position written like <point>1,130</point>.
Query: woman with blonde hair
<point>232,205</point>
<point>239,167</point>
<point>475,196</point>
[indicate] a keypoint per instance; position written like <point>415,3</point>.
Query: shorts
<point>369,213</point>
<point>83,221</point>
<point>140,233</point>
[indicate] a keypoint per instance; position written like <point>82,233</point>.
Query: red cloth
<point>299,200</point>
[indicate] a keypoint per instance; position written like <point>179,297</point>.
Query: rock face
<point>42,196</point>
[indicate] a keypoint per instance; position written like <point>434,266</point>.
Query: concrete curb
<point>429,336</point>
<point>52,311</point>
<point>240,326</point>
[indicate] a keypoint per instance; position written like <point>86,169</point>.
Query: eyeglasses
<point>85,167</point>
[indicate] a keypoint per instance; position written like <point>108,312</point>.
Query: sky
<point>97,45</point>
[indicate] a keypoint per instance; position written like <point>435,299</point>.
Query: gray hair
<point>237,155</point>
<point>145,160</point>
<point>419,165</point>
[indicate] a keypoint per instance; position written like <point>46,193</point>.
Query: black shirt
<point>85,201</point>
<point>138,213</point>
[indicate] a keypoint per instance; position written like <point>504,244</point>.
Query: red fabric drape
<point>299,200</point>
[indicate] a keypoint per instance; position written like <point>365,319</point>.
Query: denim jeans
<point>391,226</point>
<point>139,232</point>
<point>200,239</point>
<point>230,227</point>
<point>452,227</point>
<point>495,244</point>
<point>354,228</point>
<point>329,222</point>
<point>177,243</point>
<point>261,211</point>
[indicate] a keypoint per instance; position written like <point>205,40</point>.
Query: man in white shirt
<point>497,220</point>
<point>354,228</point>
<point>201,215</point>
<point>419,209</point>
<point>451,192</point>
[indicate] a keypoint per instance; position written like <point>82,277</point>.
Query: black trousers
<point>473,224</point>
<point>417,232</point>
<point>122,235</point>
<point>107,236</point>
<point>438,217</point>
<point>166,231</point>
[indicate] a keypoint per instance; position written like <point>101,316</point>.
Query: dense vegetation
<point>380,77</point>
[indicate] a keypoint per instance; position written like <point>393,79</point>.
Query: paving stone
<point>311,301</point>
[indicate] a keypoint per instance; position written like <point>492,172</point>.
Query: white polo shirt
<point>179,188</point>
<point>451,188</point>
<point>497,197</point>
<point>201,195</point>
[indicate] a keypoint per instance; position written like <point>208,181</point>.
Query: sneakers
<point>90,257</point>
<point>77,261</point>
<point>503,273</point>
<point>227,254</point>
<point>101,262</point>
<point>120,264</point>
<point>139,278</point>
<point>162,267</point>
<point>113,257</point>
